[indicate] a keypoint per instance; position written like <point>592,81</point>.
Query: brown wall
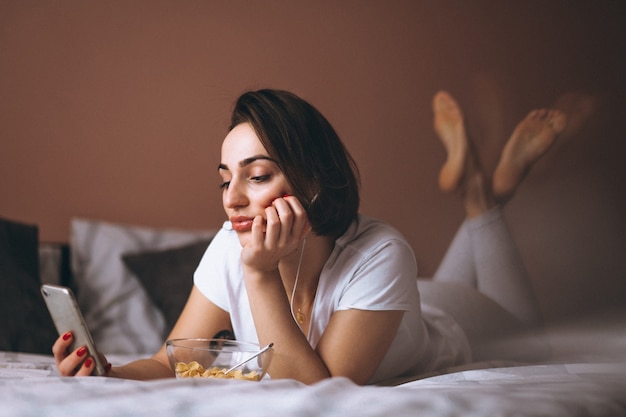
<point>116,110</point>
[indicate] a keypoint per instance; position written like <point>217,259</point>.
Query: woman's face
<point>251,180</point>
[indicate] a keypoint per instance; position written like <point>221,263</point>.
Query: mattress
<point>30,386</point>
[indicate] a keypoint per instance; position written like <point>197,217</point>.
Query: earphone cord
<point>295,284</point>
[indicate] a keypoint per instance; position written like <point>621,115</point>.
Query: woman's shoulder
<point>370,230</point>
<point>373,253</point>
<point>369,237</point>
<point>221,256</point>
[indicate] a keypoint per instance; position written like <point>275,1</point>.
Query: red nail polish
<point>284,196</point>
<point>81,351</point>
<point>88,362</point>
<point>67,336</point>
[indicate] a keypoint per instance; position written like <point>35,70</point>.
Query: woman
<point>296,265</point>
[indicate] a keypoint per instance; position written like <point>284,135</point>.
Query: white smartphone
<point>66,316</point>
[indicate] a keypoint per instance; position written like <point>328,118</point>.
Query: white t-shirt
<point>372,267</point>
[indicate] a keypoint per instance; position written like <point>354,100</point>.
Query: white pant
<point>483,285</point>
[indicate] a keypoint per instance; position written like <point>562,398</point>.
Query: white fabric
<point>117,309</point>
<point>484,256</point>
<point>372,267</point>
<point>448,345</point>
<point>30,387</point>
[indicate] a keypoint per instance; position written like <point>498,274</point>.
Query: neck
<point>317,250</point>
<point>305,278</point>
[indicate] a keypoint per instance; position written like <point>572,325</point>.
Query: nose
<point>234,196</point>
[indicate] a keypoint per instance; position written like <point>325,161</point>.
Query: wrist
<point>110,371</point>
<point>252,275</point>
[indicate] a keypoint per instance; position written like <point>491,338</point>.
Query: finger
<point>286,216</point>
<point>108,366</point>
<point>301,226</point>
<point>68,366</point>
<point>59,349</point>
<point>258,231</point>
<point>272,226</point>
<point>87,367</point>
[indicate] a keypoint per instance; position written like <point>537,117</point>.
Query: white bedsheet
<point>29,386</point>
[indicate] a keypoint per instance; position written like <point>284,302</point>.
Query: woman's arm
<point>353,345</point>
<point>356,341</point>
<point>200,318</point>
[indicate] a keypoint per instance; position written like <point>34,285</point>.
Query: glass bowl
<point>211,358</point>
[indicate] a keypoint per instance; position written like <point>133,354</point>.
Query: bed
<point>29,386</point>
<point>123,277</point>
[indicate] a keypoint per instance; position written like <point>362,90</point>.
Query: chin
<point>244,237</point>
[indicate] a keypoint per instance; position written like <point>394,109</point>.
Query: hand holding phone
<point>66,316</point>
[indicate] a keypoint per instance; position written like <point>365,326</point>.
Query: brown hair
<point>321,172</point>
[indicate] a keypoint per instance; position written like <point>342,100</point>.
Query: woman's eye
<point>259,178</point>
<point>256,179</point>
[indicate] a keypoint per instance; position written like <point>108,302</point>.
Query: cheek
<point>268,202</point>
<point>268,197</point>
<point>262,199</point>
<point>275,196</point>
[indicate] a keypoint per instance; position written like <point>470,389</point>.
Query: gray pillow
<point>26,325</point>
<point>118,311</point>
<point>167,276</point>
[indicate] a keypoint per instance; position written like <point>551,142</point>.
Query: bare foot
<point>450,128</point>
<point>532,137</point>
<point>578,108</point>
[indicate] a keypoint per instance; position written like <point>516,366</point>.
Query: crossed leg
<point>483,255</point>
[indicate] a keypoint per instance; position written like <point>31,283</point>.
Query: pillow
<point>26,325</point>
<point>167,276</point>
<point>117,309</point>
<point>54,264</point>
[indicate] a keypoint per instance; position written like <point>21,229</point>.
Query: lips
<point>241,224</point>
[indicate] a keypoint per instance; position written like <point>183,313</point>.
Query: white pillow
<point>117,309</point>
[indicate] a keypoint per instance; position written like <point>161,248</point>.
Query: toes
<point>443,100</point>
<point>557,121</point>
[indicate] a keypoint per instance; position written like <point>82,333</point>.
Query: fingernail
<point>284,196</point>
<point>81,351</point>
<point>88,362</point>
<point>108,367</point>
<point>67,336</point>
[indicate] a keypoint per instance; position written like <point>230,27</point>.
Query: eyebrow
<point>247,161</point>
